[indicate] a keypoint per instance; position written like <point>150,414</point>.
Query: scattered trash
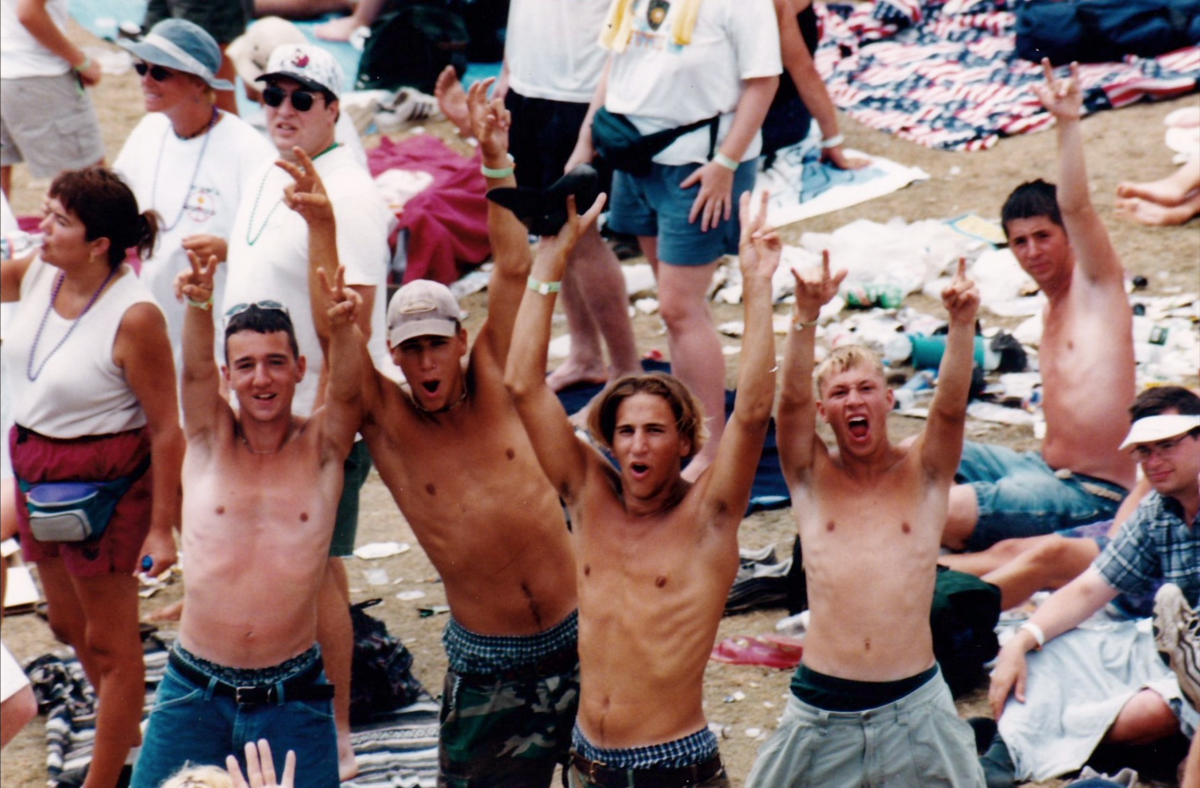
<point>426,612</point>
<point>376,577</point>
<point>374,550</point>
<point>754,733</point>
<point>408,596</point>
<point>772,651</point>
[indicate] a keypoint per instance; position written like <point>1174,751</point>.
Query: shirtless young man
<point>656,555</point>
<point>869,705</point>
<point>261,488</point>
<point>455,457</point>
<point>1086,360</point>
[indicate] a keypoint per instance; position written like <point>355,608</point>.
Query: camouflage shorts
<point>509,729</point>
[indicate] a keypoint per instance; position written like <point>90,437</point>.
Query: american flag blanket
<point>945,74</point>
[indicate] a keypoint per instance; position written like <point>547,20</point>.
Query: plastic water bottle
<point>19,244</point>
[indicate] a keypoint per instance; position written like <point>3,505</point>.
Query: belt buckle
<point>252,696</point>
<point>1063,474</point>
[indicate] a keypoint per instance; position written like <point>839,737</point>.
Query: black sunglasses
<point>157,73</point>
<point>274,95</point>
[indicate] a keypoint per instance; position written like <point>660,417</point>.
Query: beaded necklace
<point>32,374</point>
<point>154,185</point>
<point>254,210</point>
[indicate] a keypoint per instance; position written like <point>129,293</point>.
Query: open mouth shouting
<point>639,470</point>
<point>858,426</point>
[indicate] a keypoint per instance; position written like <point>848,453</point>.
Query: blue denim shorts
<point>654,205</point>
<point>1020,495</point>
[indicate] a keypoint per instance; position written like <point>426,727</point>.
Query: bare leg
<point>695,348</point>
<point>67,619</point>
<point>601,278</point>
<point>227,99</point>
<point>17,711</point>
<point>1144,719</point>
<point>1135,209</point>
<point>110,604</point>
<point>335,633</point>
<point>585,361</point>
<point>301,9</point>
<point>991,559</point>
<point>961,517</point>
<point>8,528</point>
<point>452,100</point>
<point>340,29</point>
<point>1052,563</point>
<point>1169,191</point>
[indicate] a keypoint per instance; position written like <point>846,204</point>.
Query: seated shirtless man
<point>260,489</point>
<point>455,457</point>
<point>868,705</point>
<point>656,555</point>
<point>1086,360</point>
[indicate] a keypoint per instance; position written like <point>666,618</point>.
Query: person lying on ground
<point>452,451</point>
<point>655,554</point>
<point>261,487</point>
<point>1022,567</point>
<point>1174,199</point>
<point>1160,543</point>
<point>1086,360</point>
<point>870,518</point>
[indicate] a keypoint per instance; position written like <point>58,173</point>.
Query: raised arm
<point>490,123</point>
<point>1094,253</point>
<point>797,417</point>
<point>204,409</point>
<point>562,457</point>
<point>941,443</point>
<point>732,471</point>
<point>306,196</point>
<point>342,414</point>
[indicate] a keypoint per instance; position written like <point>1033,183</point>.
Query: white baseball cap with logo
<point>308,64</point>
<point>422,308</point>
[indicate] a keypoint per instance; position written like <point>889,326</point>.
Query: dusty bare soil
<point>1121,145</point>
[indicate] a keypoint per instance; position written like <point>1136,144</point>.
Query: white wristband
<point>725,161</point>
<point>1036,631</point>
<point>834,141</point>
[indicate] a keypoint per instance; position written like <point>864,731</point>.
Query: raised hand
<point>759,248</point>
<point>560,245</point>
<point>961,296</point>
<point>306,194</point>
<point>260,768</point>
<point>815,288</point>
<point>196,283</point>
<point>1062,98</point>
<point>490,123</point>
<point>342,303</point>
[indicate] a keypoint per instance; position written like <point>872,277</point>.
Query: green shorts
<point>345,525</point>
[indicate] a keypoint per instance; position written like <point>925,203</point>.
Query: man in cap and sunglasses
<point>268,259</point>
<point>1160,543</point>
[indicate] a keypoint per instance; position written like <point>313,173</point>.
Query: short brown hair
<point>108,209</point>
<point>844,358</point>
<point>689,413</point>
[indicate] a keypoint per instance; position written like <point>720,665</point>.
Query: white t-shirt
<point>660,85</point>
<point>553,50</point>
<point>193,195</point>
<point>268,254</point>
<point>79,389</point>
<point>22,55</point>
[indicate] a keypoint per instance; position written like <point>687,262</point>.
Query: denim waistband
<point>251,677</point>
<point>688,751</point>
<point>471,652</point>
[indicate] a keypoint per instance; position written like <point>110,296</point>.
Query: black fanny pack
<point>621,146</point>
<point>75,511</point>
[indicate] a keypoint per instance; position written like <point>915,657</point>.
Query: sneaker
<point>408,105</point>
<point>1177,635</point>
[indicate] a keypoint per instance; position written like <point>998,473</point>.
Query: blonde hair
<point>844,358</point>
<point>199,777</point>
<point>689,413</point>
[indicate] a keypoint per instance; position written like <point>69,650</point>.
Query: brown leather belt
<point>605,776</point>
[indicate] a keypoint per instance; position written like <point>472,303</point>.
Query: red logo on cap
<point>301,60</point>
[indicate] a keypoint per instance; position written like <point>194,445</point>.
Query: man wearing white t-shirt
<point>268,260</point>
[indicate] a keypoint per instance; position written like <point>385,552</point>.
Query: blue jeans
<point>189,724</point>
<point>1020,495</point>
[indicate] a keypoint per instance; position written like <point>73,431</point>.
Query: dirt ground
<point>1121,145</point>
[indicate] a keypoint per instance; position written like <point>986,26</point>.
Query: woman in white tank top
<point>94,395</point>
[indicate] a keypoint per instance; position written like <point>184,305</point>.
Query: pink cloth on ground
<point>447,222</point>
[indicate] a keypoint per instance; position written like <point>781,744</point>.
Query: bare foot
<point>452,100</point>
<point>347,765</point>
<point>171,612</point>
<point>339,29</point>
<point>572,373</point>
<point>1175,189</point>
<point>1134,209</point>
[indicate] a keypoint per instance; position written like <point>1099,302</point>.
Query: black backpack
<point>381,678</point>
<point>410,46</point>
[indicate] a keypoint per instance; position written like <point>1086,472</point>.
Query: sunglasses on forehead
<point>237,309</point>
<point>157,73</point>
<point>274,96</point>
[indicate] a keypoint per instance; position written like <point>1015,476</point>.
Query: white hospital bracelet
<point>725,161</point>
<point>834,141</point>
<point>1036,631</point>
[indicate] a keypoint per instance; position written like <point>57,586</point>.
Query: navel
<point>587,570</point>
<point>304,517</point>
<point>867,644</point>
<point>429,488</point>
<point>660,581</point>
<point>510,453</point>
<point>905,527</point>
<point>829,526</point>
<point>220,510</point>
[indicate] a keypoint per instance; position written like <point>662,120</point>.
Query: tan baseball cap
<point>422,308</point>
<point>251,51</point>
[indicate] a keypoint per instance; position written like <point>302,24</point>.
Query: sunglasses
<point>302,100</point>
<point>1161,448</point>
<point>157,73</point>
<point>237,309</point>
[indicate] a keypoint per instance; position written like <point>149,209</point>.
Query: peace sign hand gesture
<point>759,248</point>
<point>196,283</point>
<point>341,302</point>
<point>306,194</point>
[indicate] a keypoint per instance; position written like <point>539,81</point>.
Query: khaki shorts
<point>48,123</point>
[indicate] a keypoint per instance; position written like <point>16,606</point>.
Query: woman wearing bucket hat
<point>186,159</point>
